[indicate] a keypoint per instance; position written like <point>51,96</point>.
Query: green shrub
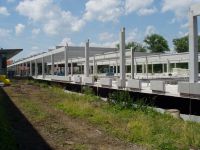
<point>120,98</point>
<point>88,91</point>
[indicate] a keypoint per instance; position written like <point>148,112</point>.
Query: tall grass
<point>140,125</point>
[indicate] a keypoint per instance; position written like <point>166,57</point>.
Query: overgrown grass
<point>7,141</point>
<point>33,109</point>
<point>140,125</point>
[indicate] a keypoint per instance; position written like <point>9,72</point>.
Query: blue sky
<point>37,25</point>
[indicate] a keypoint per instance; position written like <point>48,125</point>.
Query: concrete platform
<point>170,89</point>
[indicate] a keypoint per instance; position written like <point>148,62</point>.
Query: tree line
<point>156,43</point>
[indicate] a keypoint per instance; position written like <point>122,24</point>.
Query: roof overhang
<point>9,53</point>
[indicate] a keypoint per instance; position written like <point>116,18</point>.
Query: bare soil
<point>57,130</point>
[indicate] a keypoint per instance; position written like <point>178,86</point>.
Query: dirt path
<point>53,129</point>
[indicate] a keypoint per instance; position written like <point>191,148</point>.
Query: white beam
<point>195,9</point>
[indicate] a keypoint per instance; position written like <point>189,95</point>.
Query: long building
<point>120,68</point>
<point>82,65</point>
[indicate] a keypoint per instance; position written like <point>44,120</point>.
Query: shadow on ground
<point>26,135</point>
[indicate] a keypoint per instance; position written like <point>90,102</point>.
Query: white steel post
<point>163,68</point>
<point>132,63</point>
<point>146,64</point>
<point>86,68</point>
<point>66,59</point>
<point>143,69</point>
<point>43,68</point>
<point>31,68</point>
<point>168,66</point>
<point>152,69</point>
<point>193,48</point>
<point>52,64</point>
<point>135,68</point>
<point>94,66</point>
<point>117,68</point>
<point>122,55</point>
<point>36,68</point>
<point>71,68</point>
<point>26,69</point>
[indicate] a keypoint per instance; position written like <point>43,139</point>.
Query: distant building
<point>6,54</point>
<point>9,62</point>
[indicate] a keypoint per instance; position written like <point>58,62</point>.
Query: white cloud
<point>142,7</point>
<point>179,7</point>
<point>182,34</point>
<point>105,36</point>
<point>35,9</point>
<point>65,41</point>
<point>51,27</point>
<point>34,50</point>
<point>147,11</point>
<point>36,31</point>
<point>150,30</point>
<point>134,35</point>
<point>4,11</point>
<point>19,28</point>
<point>186,25</point>
<point>110,44</point>
<point>103,10</point>
<point>53,19</point>
<point>4,33</point>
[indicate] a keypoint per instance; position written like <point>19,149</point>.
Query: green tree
<point>156,43</point>
<point>139,47</point>
<point>182,44</point>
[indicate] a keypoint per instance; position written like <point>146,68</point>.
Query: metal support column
<point>193,48</point>
<point>66,60</point>
<point>36,68</point>
<point>94,66</point>
<point>31,69</point>
<point>86,68</point>
<point>43,68</point>
<point>71,68</point>
<point>52,64</point>
<point>163,68</point>
<point>132,63</point>
<point>122,55</point>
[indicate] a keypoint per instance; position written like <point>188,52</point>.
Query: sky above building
<point>38,25</point>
